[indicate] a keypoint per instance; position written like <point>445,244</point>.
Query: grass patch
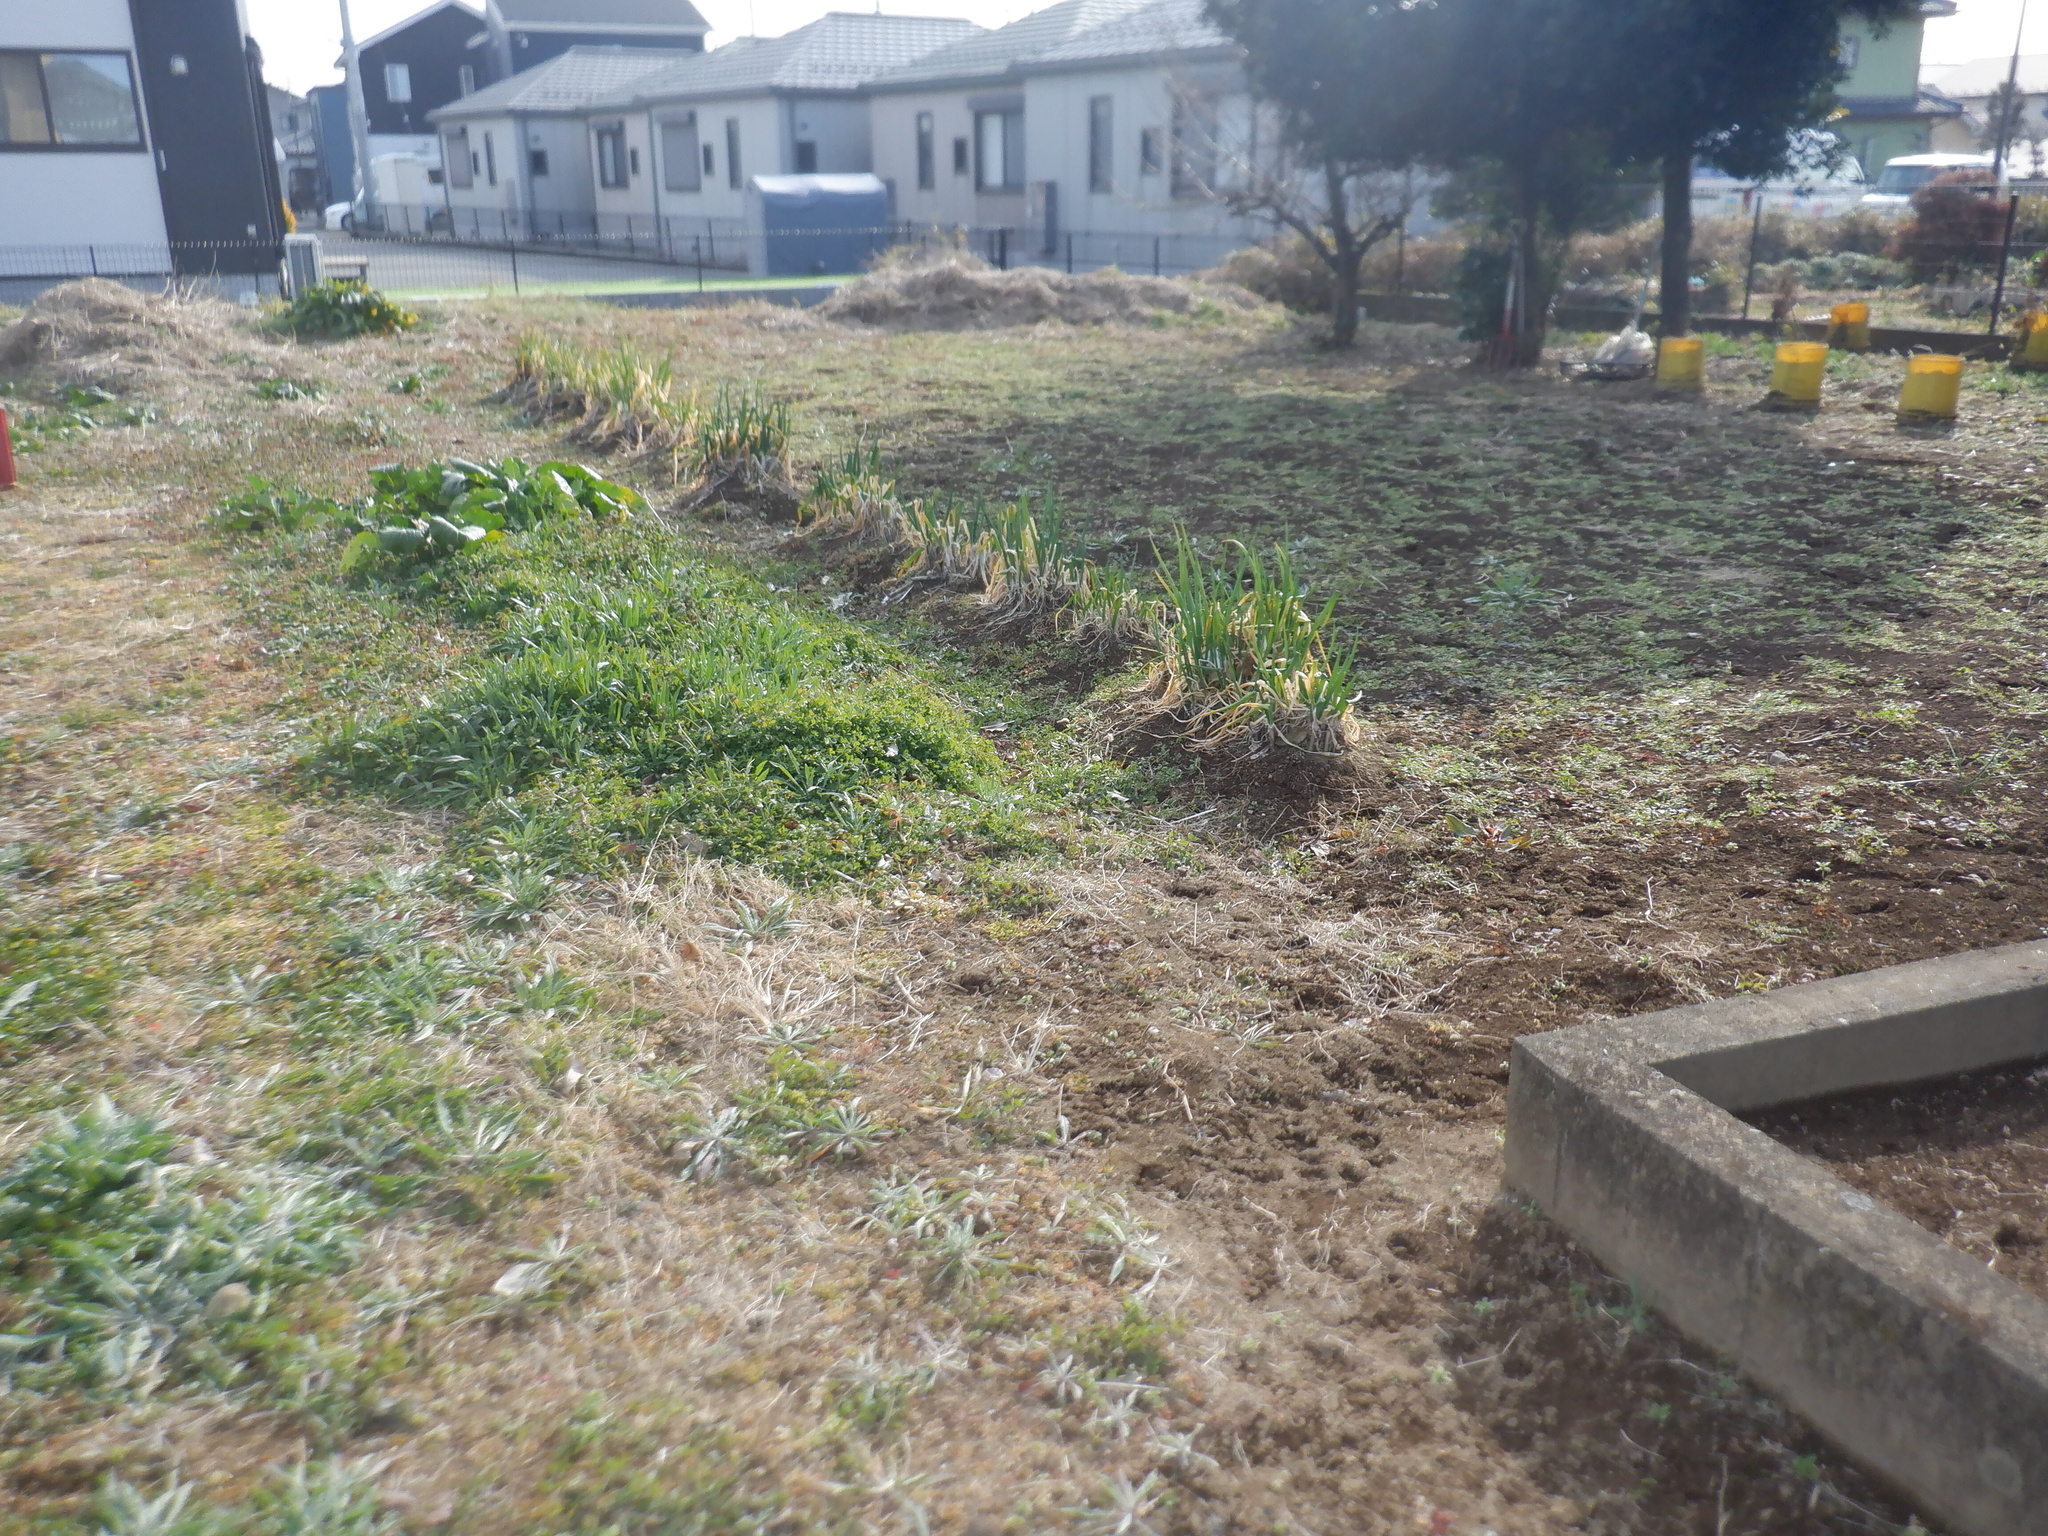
<point>129,1270</point>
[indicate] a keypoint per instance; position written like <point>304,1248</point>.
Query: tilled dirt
<point>1965,1156</point>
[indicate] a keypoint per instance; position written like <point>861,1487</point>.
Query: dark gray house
<point>422,63</point>
<point>522,33</point>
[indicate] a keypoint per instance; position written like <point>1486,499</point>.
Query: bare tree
<point>1339,210</point>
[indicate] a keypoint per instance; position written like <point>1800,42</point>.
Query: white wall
<point>1056,117</point>
<point>480,194</point>
<point>951,199</point>
<point>570,184</point>
<point>83,199</point>
<point>637,196</point>
<point>72,24</point>
<point>840,127</point>
<point>76,197</point>
<point>763,124</point>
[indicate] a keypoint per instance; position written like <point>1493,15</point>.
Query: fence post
<point>513,252</point>
<point>1070,253</point>
<point>1003,249</point>
<point>697,250</point>
<point>1756,227</point>
<point>2012,213</point>
<point>1155,255</point>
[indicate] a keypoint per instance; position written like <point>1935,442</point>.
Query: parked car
<point>1901,178</point>
<point>342,216</point>
<point>1818,194</point>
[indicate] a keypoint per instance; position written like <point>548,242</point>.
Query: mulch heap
<point>962,292</point>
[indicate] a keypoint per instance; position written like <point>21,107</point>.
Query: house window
<point>456,156</point>
<point>927,154</point>
<point>465,79</point>
<point>732,153</point>
<point>398,82</point>
<point>56,99</point>
<point>999,151</point>
<point>490,161</point>
<point>1101,139</point>
<point>806,157</point>
<point>1151,151</point>
<point>960,154</point>
<point>611,155</point>
<point>537,162</point>
<point>633,161</point>
<point>1194,148</point>
<point>708,167</point>
<point>679,160</point>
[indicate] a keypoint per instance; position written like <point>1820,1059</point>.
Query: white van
<point>1901,178</point>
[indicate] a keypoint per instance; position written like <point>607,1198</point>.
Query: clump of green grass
<point>851,498</point>
<point>327,1498</point>
<point>800,1112</point>
<point>344,307</point>
<point>1242,659</point>
<point>741,437</point>
<point>626,694</point>
<point>56,975</point>
<point>131,1270</point>
<point>618,398</point>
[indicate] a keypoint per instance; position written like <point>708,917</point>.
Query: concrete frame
<point>1914,1358</point>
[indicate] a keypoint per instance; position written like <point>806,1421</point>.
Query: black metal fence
<point>730,245</point>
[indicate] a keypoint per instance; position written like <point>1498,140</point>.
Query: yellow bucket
<point>1796,375</point>
<point>2033,349</point>
<point>1933,382</point>
<point>1851,327</point>
<point>1679,360</point>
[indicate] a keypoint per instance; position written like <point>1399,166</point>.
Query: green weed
<point>618,399</point>
<point>134,1271</point>
<point>344,307</point>
<point>1135,1343</point>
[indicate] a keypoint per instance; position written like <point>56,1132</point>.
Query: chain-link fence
<point>424,252</point>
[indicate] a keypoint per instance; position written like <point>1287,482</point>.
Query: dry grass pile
<point>956,291</point>
<point>107,324</point>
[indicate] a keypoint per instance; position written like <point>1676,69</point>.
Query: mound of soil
<point>94,318</point>
<point>960,292</point>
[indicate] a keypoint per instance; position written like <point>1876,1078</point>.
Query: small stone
<point>520,1280</point>
<point>231,1300</point>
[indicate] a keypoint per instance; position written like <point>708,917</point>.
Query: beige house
<point>515,156</point>
<point>675,151</point>
<point>1092,133</point>
<point>1972,87</point>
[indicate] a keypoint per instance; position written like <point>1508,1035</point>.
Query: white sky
<point>302,38</point>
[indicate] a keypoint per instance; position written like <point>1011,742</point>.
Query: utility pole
<point>358,112</point>
<point>2008,122</point>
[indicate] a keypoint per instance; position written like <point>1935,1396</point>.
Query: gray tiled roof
<point>841,51</point>
<point>659,15</point>
<point>1164,26</point>
<point>565,83</point>
<point>994,55</point>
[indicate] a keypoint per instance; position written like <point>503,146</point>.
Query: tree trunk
<point>1344,269</point>
<point>1344,307</point>
<point>1675,287</point>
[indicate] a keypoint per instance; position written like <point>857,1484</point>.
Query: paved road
<point>400,267</point>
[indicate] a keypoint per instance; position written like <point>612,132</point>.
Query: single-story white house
<point>1094,131</point>
<point>674,152</point>
<point>515,156</point>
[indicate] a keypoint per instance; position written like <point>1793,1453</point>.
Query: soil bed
<point>1965,1156</point>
